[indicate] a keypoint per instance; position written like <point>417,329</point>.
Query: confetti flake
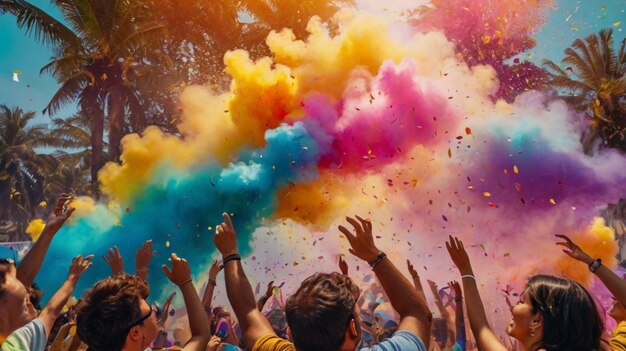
<point>552,201</point>
<point>15,75</point>
<point>468,130</point>
<point>515,170</point>
<point>167,243</point>
<point>616,24</point>
<point>487,194</point>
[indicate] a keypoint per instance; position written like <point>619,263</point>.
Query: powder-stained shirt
<point>618,338</point>
<point>402,340</point>
<point>31,337</point>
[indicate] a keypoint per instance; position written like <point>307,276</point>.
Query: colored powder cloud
<point>370,119</point>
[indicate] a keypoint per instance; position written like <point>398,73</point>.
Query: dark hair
<point>106,311</point>
<point>570,317</point>
<point>5,266</point>
<point>319,313</point>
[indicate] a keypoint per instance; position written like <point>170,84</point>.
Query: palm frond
<point>69,91</point>
<point>41,25</point>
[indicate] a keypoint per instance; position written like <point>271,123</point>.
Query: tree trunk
<point>116,122</point>
<point>89,105</point>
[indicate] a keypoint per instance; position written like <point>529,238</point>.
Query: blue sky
<point>569,20</point>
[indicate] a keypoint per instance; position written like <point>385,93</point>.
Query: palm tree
<point>22,170</point>
<point>71,174</point>
<point>594,81</point>
<point>97,61</point>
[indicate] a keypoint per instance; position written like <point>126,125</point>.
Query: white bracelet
<point>468,276</point>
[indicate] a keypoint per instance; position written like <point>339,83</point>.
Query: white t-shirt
<point>31,337</point>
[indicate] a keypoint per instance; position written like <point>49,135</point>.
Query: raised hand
<point>144,255</point>
<point>343,265</point>
<point>456,287</point>
<point>114,260</point>
<point>60,214</point>
<point>79,266</point>
<point>225,238</point>
<point>362,241</point>
<point>270,290</point>
<point>573,250</point>
<point>458,255</point>
<point>180,274</point>
<point>216,267</point>
<point>411,269</point>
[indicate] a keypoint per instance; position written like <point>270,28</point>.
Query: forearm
<point>198,320</point>
<point>402,296</point>
<point>54,308</point>
<point>615,284</point>
<point>29,266</point>
<point>207,298</point>
<point>252,322</point>
<point>57,344</point>
<point>485,337</point>
<point>239,292</point>
<point>444,313</point>
<point>460,325</point>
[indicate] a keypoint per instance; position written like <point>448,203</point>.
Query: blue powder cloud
<point>185,209</point>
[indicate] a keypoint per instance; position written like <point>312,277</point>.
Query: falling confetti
<point>15,75</point>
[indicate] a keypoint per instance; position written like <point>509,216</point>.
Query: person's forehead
<point>12,284</point>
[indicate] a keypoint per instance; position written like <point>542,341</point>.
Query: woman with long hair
<point>553,314</point>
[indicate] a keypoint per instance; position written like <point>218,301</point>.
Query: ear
<point>289,333</point>
<point>537,321</point>
<point>352,329</point>
<point>133,334</point>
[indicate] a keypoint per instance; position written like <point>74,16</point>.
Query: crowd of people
<point>329,311</point>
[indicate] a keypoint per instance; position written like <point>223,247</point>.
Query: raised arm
<point>486,339</point>
<point>459,319</point>
<point>240,295</point>
<point>414,314</point>
<point>263,299</point>
<point>198,320</point>
<point>416,279</point>
<point>207,298</point>
<point>29,267</point>
<point>615,284</point>
<point>115,260</point>
<point>53,309</point>
<point>444,313</point>
<point>142,259</point>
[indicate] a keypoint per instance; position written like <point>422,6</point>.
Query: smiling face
<point>15,304</point>
<point>617,311</point>
<point>523,320</point>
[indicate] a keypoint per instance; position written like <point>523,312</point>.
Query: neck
<point>532,345</point>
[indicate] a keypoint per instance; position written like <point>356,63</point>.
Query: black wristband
<point>185,282</point>
<point>381,256</point>
<point>212,282</point>
<point>229,258</point>
<point>595,264</point>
